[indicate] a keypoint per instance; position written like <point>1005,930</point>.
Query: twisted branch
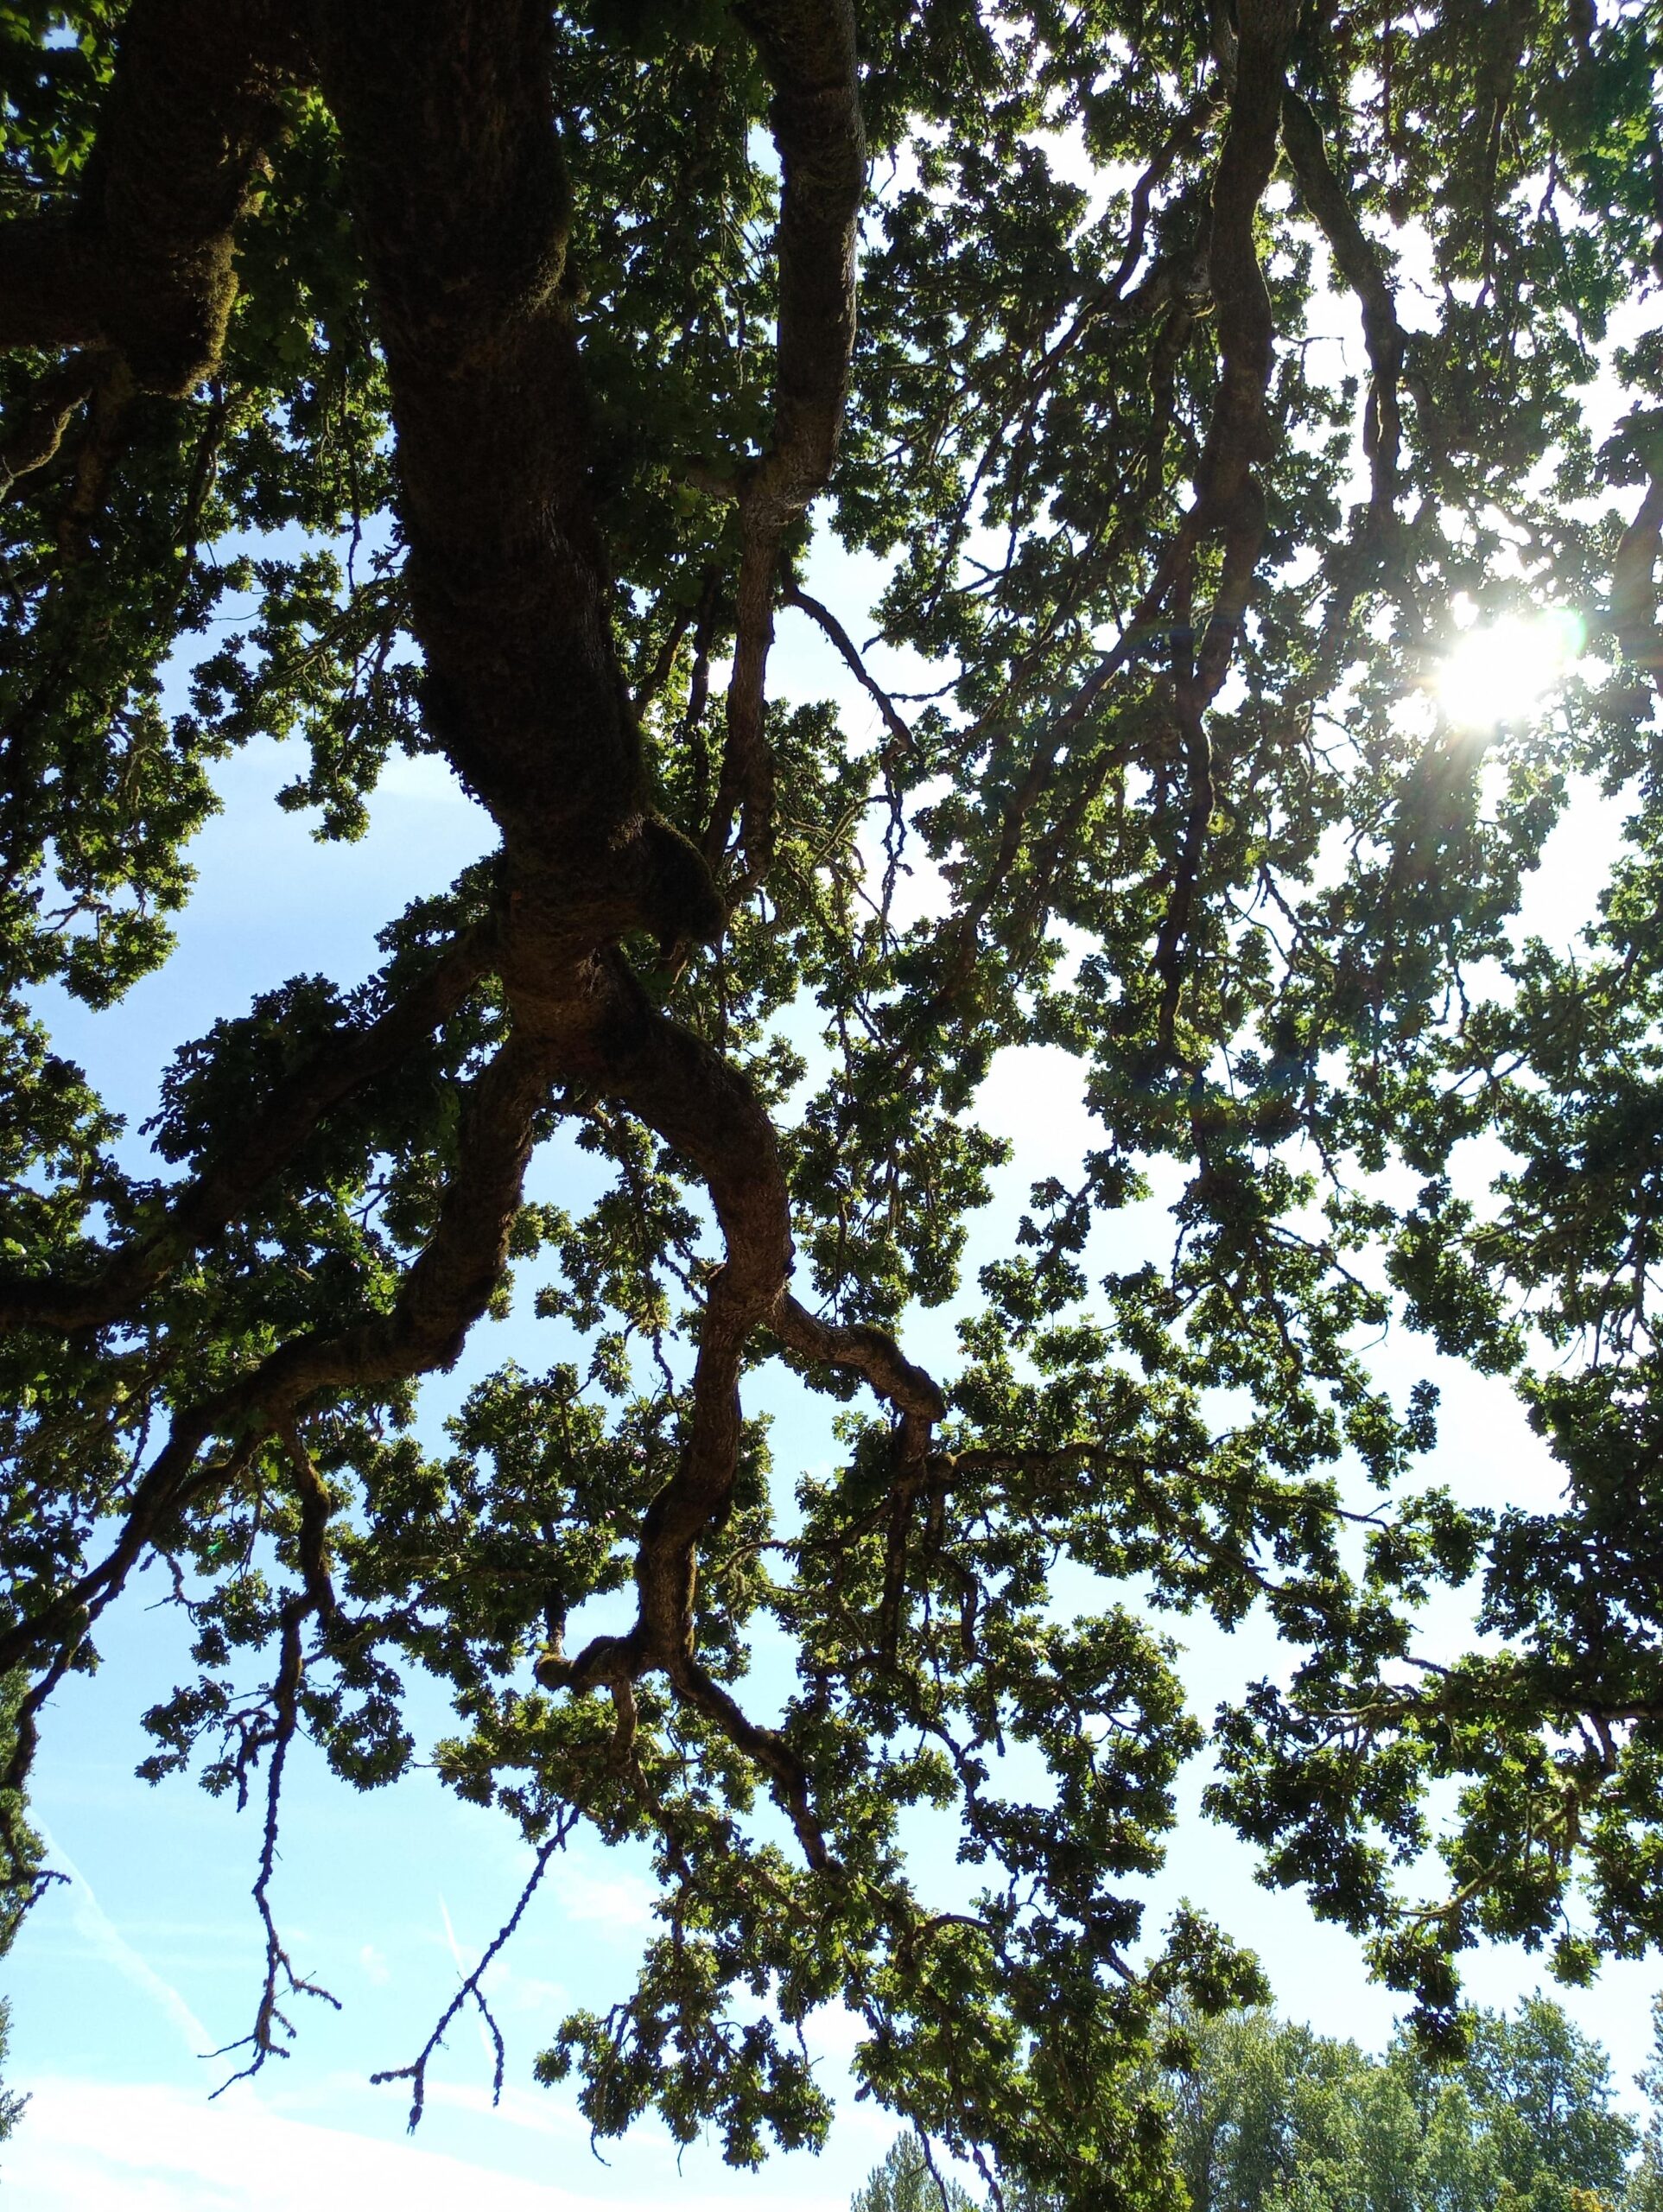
<point>1359,261</point>
<point>442,1294</point>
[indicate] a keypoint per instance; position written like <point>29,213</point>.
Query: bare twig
<point>472,1992</point>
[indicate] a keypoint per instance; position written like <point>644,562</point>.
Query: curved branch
<point>807,47</point>
<point>1358,261</point>
<point>1228,496</point>
<point>1634,585</point>
<point>685,1091</point>
<point>461,203</point>
<point>45,414</point>
<point>872,1352</point>
<point>443,1294</point>
<point>704,1109</point>
<point>900,737</point>
<point>1238,434</point>
<point>141,265</point>
<point>214,1199</point>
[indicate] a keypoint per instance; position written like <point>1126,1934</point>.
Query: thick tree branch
<point>1634,584</point>
<point>443,1294</point>
<point>142,264</point>
<point>1228,493</point>
<point>1359,261</point>
<point>1228,498</point>
<point>871,1353</point>
<point>685,1091</point>
<point>807,47</point>
<point>1238,434</point>
<point>705,1110</point>
<point>919,1402</point>
<point>462,202</point>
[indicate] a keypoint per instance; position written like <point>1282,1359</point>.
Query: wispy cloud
<point>102,2147</point>
<point>424,778</point>
<point>126,2148</point>
<point>101,1935</point>
<point>620,1901</point>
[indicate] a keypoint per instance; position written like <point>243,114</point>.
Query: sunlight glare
<point>1504,671</point>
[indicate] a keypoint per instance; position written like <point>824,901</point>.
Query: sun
<point>1503,671</point>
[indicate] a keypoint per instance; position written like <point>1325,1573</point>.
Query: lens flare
<point>1502,671</point>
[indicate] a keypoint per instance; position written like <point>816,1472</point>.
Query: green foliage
<point>23,1852</point>
<point>906,2182</point>
<point>1267,2116</point>
<point>1268,936</point>
<point>23,1872</point>
<point>13,2102</point>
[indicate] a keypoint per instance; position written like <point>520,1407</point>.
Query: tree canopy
<point>12,2102</point>
<point>1267,2117</point>
<point>468,379</point>
<point>1267,2114</point>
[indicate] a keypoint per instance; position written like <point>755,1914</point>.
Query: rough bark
<point>447,114</point>
<point>807,47</point>
<point>140,266</point>
<point>448,123</point>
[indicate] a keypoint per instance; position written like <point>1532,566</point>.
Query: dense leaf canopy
<point>1267,2117</point>
<point>466,378</point>
<point>1267,2114</point>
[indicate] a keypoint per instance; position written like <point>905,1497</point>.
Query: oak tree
<point>470,378</point>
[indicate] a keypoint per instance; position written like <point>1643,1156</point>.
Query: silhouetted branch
<point>471,1992</point>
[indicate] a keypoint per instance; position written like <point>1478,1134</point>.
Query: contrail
<point>462,1970</point>
<point>93,1925</point>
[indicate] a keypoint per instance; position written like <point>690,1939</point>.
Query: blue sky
<point>147,1956</point>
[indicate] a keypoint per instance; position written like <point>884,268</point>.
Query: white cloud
<point>101,1935</point>
<point>595,1898</point>
<point>377,1971</point>
<point>87,2147</point>
<point>105,2147</point>
<point>422,778</point>
<point>536,2111</point>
